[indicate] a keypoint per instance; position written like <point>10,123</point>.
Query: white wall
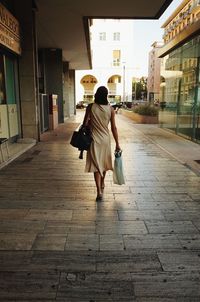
<point>102,56</point>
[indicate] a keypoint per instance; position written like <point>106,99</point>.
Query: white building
<point>112,61</point>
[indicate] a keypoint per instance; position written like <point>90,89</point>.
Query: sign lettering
<point>9,30</point>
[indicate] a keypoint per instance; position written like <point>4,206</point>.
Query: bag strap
<point>87,115</point>
<point>81,154</point>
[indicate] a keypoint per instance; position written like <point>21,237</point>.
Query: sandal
<point>99,198</point>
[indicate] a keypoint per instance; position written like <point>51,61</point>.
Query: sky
<point>146,33</point>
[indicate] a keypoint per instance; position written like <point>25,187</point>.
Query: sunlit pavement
<point>142,243</point>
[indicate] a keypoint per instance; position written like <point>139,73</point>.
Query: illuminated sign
<point>9,30</point>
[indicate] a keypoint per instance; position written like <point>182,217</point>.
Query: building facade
<point>154,67</point>
<point>10,51</point>
<point>35,82</point>
<point>180,89</point>
<point>39,53</point>
<point>112,57</point>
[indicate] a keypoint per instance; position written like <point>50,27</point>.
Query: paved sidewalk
<point>141,244</point>
<point>184,150</point>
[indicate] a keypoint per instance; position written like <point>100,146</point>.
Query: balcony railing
<point>89,92</point>
<point>195,5</point>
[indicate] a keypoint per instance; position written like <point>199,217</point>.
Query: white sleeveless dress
<point>99,156</point>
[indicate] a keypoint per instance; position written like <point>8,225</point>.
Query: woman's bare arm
<point>114,129</point>
<point>87,115</point>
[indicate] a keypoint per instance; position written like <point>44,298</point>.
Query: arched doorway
<point>88,82</point>
<point>115,88</point>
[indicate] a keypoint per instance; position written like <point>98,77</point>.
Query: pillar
<point>25,13</point>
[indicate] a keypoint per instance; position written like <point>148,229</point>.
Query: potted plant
<point>143,114</point>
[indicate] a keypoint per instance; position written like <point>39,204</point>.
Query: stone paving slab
<point>169,227</point>
<point>121,227</point>
<point>180,261</point>
<point>141,215</point>
<point>13,241</point>
<point>142,243</point>
<point>151,241</point>
<point>128,261</point>
<point>190,241</point>
<point>21,226</point>
<point>168,289</point>
<point>63,261</point>
<point>22,285</point>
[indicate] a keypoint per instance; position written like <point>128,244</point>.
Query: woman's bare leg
<point>102,181</point>
<point>97,177</point>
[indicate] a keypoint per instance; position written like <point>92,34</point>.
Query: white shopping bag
<point>118,171</point>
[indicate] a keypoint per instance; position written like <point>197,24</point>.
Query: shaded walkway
<point>57,244</point>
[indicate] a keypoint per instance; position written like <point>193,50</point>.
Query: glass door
<point>197,107</point>
<point>11,99</point>
<point>188,104</point>
<point>4,128</point>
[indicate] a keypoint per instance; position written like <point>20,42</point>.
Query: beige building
<point>182,22</point>
<point>180,87</point>
<point>153,81</point>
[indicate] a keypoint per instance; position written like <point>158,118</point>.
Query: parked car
<point>116,106</point>
<point>81,105</point>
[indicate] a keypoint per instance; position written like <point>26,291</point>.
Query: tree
<point>139,86</point>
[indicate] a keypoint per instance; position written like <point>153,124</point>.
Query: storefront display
<point>181,90</point>
<point>9,51</point>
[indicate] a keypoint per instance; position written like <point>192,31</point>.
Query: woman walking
<point>99,158</point>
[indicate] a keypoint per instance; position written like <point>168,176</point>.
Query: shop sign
<point>9,30</point>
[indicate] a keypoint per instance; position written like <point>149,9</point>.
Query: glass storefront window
<point>10,81</point>
<point>180,90</point>
<point>9,113</point>
<point>2,82</point>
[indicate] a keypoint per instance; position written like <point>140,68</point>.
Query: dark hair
<point>101,95</point>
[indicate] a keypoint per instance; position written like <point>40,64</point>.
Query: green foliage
<point>139,87</point>
<point>146,109</point>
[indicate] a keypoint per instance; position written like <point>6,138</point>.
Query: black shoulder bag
<point>82,139</point>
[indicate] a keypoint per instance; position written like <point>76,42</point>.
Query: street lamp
<point>124,73</point>
<point>135,90</point>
